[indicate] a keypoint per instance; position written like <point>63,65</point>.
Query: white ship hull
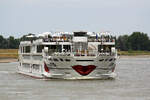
<point>78,57</point>
<point>63,69</point>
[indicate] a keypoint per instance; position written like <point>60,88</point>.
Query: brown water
<point>132,83</point>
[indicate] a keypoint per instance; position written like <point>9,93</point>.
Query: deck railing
<point>82,54</point>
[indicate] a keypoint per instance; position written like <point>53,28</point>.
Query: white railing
<point>80,54</point>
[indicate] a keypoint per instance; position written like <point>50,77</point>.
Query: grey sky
<point>18,17</point>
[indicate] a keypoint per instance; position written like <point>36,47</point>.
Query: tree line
<point>137,41</point>
<point>9,43</point>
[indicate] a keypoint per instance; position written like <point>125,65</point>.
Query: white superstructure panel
<point>79,39</point>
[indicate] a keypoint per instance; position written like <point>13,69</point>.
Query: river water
<point>132,83</point>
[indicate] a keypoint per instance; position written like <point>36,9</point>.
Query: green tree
<point>123,43</point>
<point>13,43</point>
<point>3,43</point>
<point>139,41</point>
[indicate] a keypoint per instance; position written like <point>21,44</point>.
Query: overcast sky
<point>19,17</point>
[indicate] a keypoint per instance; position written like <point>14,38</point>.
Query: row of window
<point>25,49</point>
<point>52,48</point>
<point>34,66</point>
<point>58,48</point>
<point>60,59</point>
<point>112,59</point>
<point>55,59</point>
<point>25,65</point>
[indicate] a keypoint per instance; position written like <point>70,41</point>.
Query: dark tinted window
<point>61,59</point>
<point>27,49</point>
<point>55,59</point>
<point>101,60</point>
<point>67,59</point>
<point>40,48</point>
<point>80,33</point>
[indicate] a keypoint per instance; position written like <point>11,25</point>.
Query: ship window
<point>104,48</point>
<point>100,48</point>
<point>67,59</point>
<point>35,66</point>
<point>55,59</point>
<point>25,65</point>
<point>61,59</point>
<point>110,59</point>
<point>80,47</point>
<point>21,49</point>
<point>67,48</point>
<point>101,60</point>
<point>27,49</point>
<point>54,48</point>
<point>39,48</point>
<point>80,33</point>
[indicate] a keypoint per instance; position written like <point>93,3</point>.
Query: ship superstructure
<point>68,55</point>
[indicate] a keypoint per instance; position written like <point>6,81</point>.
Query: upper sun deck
<point>67,38</point>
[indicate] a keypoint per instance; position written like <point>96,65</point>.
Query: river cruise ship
<point>68,55</point>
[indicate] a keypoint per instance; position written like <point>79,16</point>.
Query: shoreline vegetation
<point>8,55</point>
<point>133,53</point>
<point>11,55</point>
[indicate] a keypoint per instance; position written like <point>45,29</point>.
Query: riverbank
<point>8,60</point>
<point>135,56</point>
<point>8,53</point>
<point>134,53</point>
